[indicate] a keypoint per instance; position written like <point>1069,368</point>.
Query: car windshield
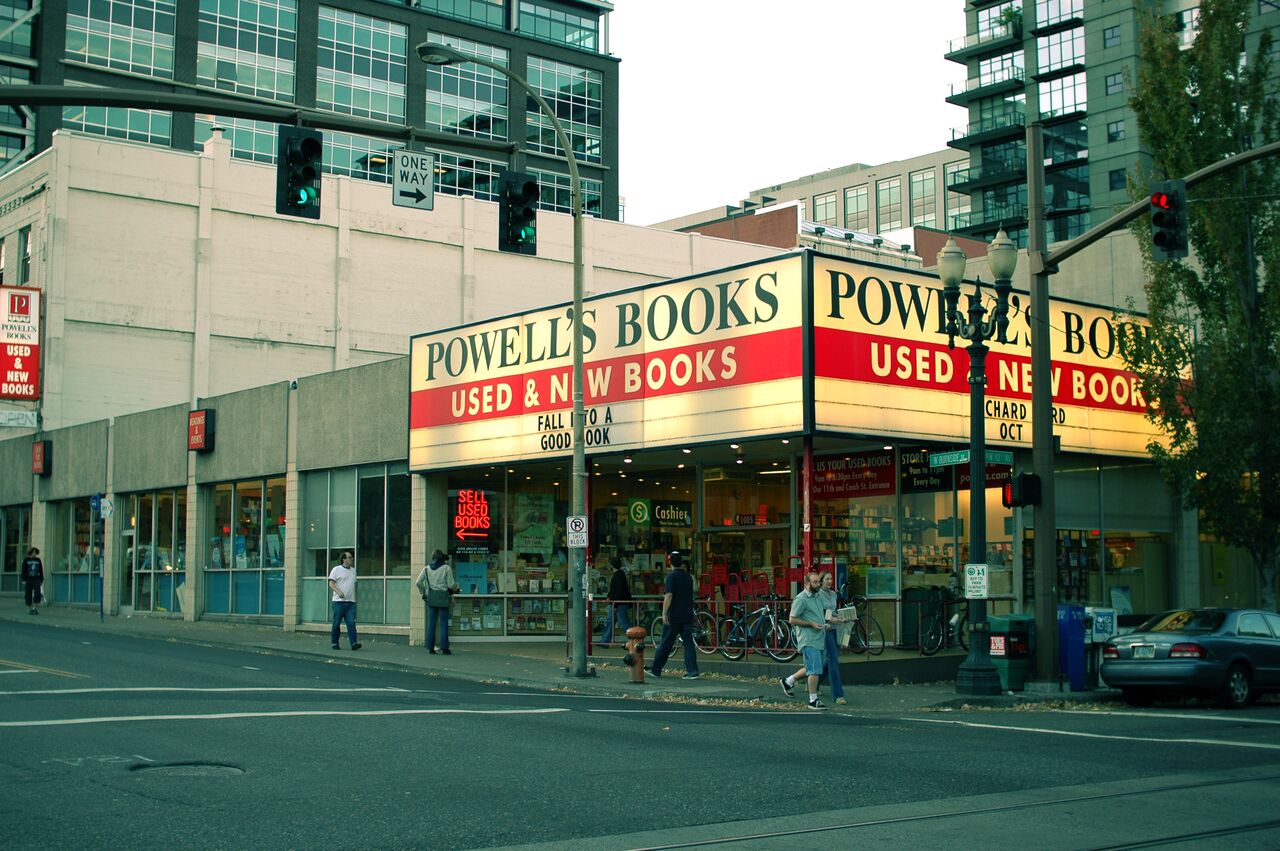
<point>1185,620</point>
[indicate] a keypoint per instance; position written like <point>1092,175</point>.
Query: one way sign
<point>413,179</point>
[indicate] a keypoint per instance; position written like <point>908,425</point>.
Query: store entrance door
<point>759,553</point>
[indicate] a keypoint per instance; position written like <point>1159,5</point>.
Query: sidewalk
<point>538,666</point>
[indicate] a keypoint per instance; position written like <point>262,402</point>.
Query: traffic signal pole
<point>1044,263</point>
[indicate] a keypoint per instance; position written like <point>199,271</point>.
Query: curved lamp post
<point>977,675</point>
<point>441,54</point>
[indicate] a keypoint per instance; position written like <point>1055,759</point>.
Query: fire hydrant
<point>634,657</point>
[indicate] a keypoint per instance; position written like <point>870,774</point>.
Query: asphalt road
<point>109,741</point>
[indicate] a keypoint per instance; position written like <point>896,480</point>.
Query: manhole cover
<point>189,769</point>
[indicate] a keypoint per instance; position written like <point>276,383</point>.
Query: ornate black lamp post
<point>977,675</point>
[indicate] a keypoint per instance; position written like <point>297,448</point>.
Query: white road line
<point>229,690</point>
<point>1235,719</point>
<point>231,716</point>
<point>697,712</point>
<point>1077,734</point>
<point>19,672</point>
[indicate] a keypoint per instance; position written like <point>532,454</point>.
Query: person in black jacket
<point>619,600</point>
<point>33,579</point>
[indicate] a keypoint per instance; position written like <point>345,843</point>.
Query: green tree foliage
<point>1211,362</point>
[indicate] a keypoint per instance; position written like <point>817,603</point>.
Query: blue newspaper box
<point>1071,644</point>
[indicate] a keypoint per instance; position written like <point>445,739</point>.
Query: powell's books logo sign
<point>19,307</point>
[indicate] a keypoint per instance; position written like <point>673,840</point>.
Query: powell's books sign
<point>19,343</point>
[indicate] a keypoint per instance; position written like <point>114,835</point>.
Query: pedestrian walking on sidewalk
<point>33,580</point>
<point>809,620</point>
<point>342,583</point>
<point>619,600</point>
<point>677,618</point>
<point>831,604</point>
<point>436,585</point>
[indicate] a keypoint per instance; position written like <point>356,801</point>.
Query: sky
<point>720,97</point>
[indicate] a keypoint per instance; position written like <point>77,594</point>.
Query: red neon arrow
<point>462,534</point>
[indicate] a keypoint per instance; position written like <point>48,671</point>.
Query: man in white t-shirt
<point>342,582</point>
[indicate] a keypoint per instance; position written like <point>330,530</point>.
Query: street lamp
<point>977,675</point>
<point>441,54</point>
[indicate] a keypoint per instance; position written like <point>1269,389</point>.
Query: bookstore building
<point>706,399</point>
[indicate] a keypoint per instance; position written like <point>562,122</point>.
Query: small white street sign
<point>975,581</point>
<point>576,530</point>
<point>107,508</point>
<point>413,175</point>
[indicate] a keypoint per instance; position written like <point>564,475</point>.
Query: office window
<point>550,24</point>
<point>1063,96</point>
<point>1187,24</point>
<point>1067,189</point>
<point>361,157</point>
<point>1000,110</point>
<point>574,94</point>
<point>1115,131</point>
<point>924,197</point>
<point>136,125</point>
<point>824,208</point>
<point>992,17</point>
<point>556,193</point>
<point>1265,6</point>
<point>1060,50</point>
<point>889,204</point>
<point>1055,11</point>
<point>468,99</point>
<point>361,65</point>
<point>250,140</point>
<point>1116,180</point>
<point>24,256</point>
<point>1111,37</point>
<point>18,42</point>
<point>456,175</point>
<point>1115,84</point>
<point>857,208</point>
<point>957,202</point>
<point>1066,141</point>
<point>130,35</point>
<point>248,47</point>
<point>996,69</point>
<point>488,13</point>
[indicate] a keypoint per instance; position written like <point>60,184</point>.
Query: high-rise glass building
<point>353,57</point>
<point>1071,64</point>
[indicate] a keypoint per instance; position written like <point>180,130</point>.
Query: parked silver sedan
<point>1231,653</point>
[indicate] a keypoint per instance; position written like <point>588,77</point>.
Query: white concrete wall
<point>168,276</point>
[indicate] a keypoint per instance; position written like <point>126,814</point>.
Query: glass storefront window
<point>245,534</point>
<point>854,515</point>
<point>15,533</point>
<point>151,553</point>
<point>368,511</point>
<point>75,548</point>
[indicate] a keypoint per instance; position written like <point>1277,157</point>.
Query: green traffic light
<point>304,196</point>
<point>527,233</point>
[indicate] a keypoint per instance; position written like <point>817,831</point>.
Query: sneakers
<point>841,701</point>
<point>431,650</point>
<point>336,647</point>
<point>446,651</point>
<point>356,646</point>
<point>649,672</point>
<point>32,611</point>
<point>692,676</point>
<point>789,691</point>
<point>817,704</point>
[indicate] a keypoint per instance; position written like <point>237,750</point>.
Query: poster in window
<point>532,525</point>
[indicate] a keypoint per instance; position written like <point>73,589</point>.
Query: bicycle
<point>705,629</point>
<point>865,636</point>
<point>933,635</point>
<point>761,625</point>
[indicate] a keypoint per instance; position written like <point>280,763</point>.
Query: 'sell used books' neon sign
<point>471,516</point>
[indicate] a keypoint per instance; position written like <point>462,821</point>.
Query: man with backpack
<point>33,580</point>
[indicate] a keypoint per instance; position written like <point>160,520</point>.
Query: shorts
<point>815,660</point>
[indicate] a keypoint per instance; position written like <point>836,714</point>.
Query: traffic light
<point>299,152</point>
<point>1169,220</point>
<point>518,213</point>
<point>1022,489</point>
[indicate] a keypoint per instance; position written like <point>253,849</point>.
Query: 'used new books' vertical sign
<point>20,343</point>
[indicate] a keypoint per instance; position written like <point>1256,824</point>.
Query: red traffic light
<point>1163,200</point>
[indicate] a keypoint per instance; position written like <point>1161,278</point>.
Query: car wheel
<point>1138,696</point>
<point>1237,688</point>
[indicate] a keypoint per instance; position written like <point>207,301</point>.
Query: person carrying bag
<point>437,586</point>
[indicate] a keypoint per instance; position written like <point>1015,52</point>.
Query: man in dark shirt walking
<point>33,580</point>
<point>619,601</point>
<point>677,618</point>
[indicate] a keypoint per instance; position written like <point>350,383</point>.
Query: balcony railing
<point>988,125</point>
<point>996,32</point>
<point>987,170</point>
<point>1008,74</point>
<point>992,216</point>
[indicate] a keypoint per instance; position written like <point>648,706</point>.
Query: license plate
<point>1144,651</point>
